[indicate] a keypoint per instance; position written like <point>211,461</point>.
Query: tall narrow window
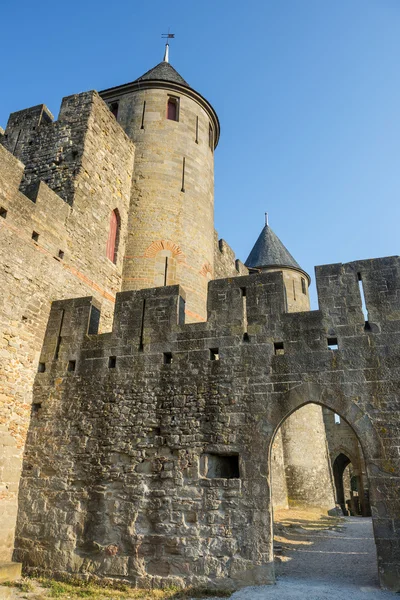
<point>173,108</point>
<point>143,113</point>
<point>183,174</point>
<point>114,108</point>
<point>113,236</point>
<point>362,294</point>
<point>197,130</point>
<point>211,137</point>
<point>303,286</point>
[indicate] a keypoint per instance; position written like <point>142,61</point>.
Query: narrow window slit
<point>59,338</point>
<point>211,137</point>
<point>214,354</point>
<point>141,346</point>
<point>3,212</point>
<point>71,365</point>
<point>337,419</point>
<point>333,343</point>
<point>303,286</point>
<point>35,236</point>
<point>166,271</point>
<point>41,367</point>
<point>183,174</point>
<point>112,362</point>
<point>363,302</point>
<point>279,348</point>
<point>143,113</point>
<point>197,130</point>
<point>244,309</point>
<point>168,358</point>
<point>61,254</point>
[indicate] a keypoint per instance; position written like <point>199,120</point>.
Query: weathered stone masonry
<point>87,158</point>
<point>148,452</point>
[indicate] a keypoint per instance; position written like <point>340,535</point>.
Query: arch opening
<point>319,482</point>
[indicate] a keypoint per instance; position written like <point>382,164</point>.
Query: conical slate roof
<point>163,72</point>
<point>268,251</point>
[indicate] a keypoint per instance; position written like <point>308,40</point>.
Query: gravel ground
<point>335,564</point>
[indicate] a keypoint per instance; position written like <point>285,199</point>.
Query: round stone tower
<point>301,469</point>
<point>171,222</point>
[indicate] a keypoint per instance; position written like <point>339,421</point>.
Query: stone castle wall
<point>67,258</point>
<point>225,262</point>
<point>148,452</point>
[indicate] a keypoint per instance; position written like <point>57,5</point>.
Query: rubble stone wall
<point>66,258</point>
<point>148,452</point>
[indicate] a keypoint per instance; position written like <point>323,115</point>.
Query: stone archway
<point>380,480</point>
<point>339,465</point>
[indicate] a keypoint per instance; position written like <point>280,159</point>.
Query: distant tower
<point>300,442</point>
<point>269,254</point>
<point>171,222</point>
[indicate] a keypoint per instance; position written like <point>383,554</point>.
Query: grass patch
<point>25,585</point>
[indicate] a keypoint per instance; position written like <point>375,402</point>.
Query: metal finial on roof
<point>266,218</point>
<point>166,53</point>
<point>167,36</point>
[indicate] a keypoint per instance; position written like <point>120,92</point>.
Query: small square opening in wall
<point>112,362</point>
<point>3,212</point>
<point>36,407</point>
<point>41,367</point>
<point>221,466</point>
<point>279,348</point>
<point>71,365</point>
<point>214,354</point>
<point>35,236</point>
<point>333,343</point>
<point>61,254</point>
<point>168,358</point>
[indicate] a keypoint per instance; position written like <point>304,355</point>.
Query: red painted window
<point>113,236</point>
<point>172,109</point>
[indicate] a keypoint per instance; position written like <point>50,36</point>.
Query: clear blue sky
<point>307,92</point>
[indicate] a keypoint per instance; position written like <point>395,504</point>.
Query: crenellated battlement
<point>58,153</point>
<point>249,310</point>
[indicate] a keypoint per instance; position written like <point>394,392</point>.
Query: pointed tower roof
<point>268,251</point>
<point>164,76</point>
<point>163,72</point>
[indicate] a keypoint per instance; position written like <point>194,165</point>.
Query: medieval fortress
<point>149,382</point>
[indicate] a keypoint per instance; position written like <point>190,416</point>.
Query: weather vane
<point>167,36</point>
